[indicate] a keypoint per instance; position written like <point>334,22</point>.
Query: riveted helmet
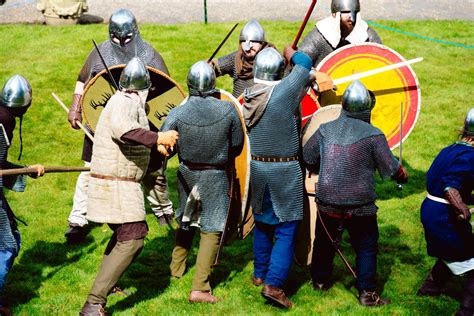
<point>252,32</point>
<point>201,77</point>
<point>357,98</point>
<point>269,65</point>
<point>122,27</point>
<point>469,124</point>
<point>352,6</point>
<point>135,76</point>
<point>16,93</point>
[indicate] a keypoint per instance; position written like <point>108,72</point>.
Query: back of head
<point>352,6</point>
<point>201,78</point>
<point>357,98</point>
<point>269,65</point>
<point>252,32</point>
<point>16,95</point>
<point>468,130</point>
<point>135,76</point>
<point>123,27</point>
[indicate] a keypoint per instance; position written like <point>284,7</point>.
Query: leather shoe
<point>276,295</point>
<point>92,310</point>
<point>256,281</point>
<point>202,297</point>
<point>371,298</point>
<point>430,287</point>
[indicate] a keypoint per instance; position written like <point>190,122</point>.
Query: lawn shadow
<point>388,189</point>
<point>28,273</point>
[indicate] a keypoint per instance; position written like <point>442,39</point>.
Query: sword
<point>222,43</point>
<point>399,185</point>
<point>28,170</point>
<point>303,25</point>
<point>105,65</point>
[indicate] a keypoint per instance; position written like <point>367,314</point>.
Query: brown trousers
<point>208,247</point>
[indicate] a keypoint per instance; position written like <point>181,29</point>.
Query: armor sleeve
<point>373,36</point>
<point>297,82</point>
<point>385,162</point>
<point>140,136</point>
<point>170,122</point>
<point>226,65</point>
<point>312,152</point>
<point>237,137</point>
<point>311,43</point>
<point>84,74</point>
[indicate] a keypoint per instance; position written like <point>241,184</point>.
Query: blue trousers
<point>273,249</point>
<point>364,235</point>
<point>6,263</point>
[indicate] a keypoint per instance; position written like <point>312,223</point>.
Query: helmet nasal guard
<point>352,6</point>
<point>252,32</point>
<point>122,27</point>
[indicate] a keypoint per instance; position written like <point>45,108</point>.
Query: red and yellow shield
<point>397,91</point>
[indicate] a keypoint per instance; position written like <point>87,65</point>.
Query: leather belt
<point>103,177</point>
<point>437,199</point>
<point>274,159</point>
<point>202,166</point>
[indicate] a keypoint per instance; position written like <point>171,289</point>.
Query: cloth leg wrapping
<point>323,250</point>
<point>79,206</point>
<point>208,246</point>
<point>183,243</point>
<point>156,188</point>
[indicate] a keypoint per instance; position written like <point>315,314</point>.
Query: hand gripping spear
<point>303,25</point>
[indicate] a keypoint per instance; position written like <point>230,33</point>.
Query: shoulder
<point>373,36</point>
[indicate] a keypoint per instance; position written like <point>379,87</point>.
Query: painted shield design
<point>395,89</point>
<point>163,95</point>
<point>305,236</point>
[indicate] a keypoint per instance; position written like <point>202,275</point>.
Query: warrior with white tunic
<point>211,136</point>
<point>120,158</point>
<point>124,43</point>
<point>445,216</point>
<point>239,64</point>
<point>344,26</point>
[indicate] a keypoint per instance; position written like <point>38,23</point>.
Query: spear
<point>222,43</point>
<point>303,25</point>
<point>105,65</point>
<point>28,170</point>
<point>399,185</point>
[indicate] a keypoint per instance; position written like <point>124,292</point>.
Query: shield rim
<point>104,71</point>
<point>410,71</point>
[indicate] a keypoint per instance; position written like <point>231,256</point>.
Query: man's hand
<point>168,139</point>
<point>74,114</point>
<point>39,171</point>
<point>323,81</point>
<point>288,52</point>
<point>162,150</point>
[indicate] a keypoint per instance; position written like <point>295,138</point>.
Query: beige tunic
<point>118,198</point>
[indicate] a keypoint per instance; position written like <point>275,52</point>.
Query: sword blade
<point>222,43</point>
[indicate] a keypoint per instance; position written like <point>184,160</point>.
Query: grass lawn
<point>51,278</point>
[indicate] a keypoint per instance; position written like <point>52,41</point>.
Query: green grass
<point>52,278</point>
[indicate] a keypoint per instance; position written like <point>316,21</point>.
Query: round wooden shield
<point>306,230</point>
<point>163,95</point>
<point>309,105</point>
<point>397,91</point>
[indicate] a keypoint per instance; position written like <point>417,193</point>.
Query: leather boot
<point>202,297</point>
<point>92,310</point>
<point>276,295</point>
<point>467,301</point>
<point>436,280</point>
<point>371,298</point>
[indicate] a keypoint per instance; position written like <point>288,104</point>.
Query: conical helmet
<point>201,77</point>
<point>469,123</point>
<point>16,93</point>
<point>352,6</point>
<point>252,32</point>
<point>135,76</point>
<point>123,27</point>
<point>268,65</point>
<point>357,98</point>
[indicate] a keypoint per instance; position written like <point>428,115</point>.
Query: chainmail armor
<point>317,47</point>
<point>346,152</point>
<point>210,132</point>
<point>227,67</point>
<point>277,135</point>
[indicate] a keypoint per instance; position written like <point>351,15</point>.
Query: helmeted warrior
<point>211,136</point>
<point>445,216</point>
<point>345,26</point>
<point>124,43</point>
<point>239,64</point>
<point>276,178</point>
<point>15,99</point>
<point>346,152</point>
<point>120,159</point>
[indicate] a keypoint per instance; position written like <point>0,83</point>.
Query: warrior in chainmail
<point>15,99</point>
<point>346,152</point>
<point>211,136</point>
<point>120,158</point>
<point>124,43</point>
<point>345,26</point>
<point>239,64</point>
<point>446,218</point>
<point>276,178</point>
